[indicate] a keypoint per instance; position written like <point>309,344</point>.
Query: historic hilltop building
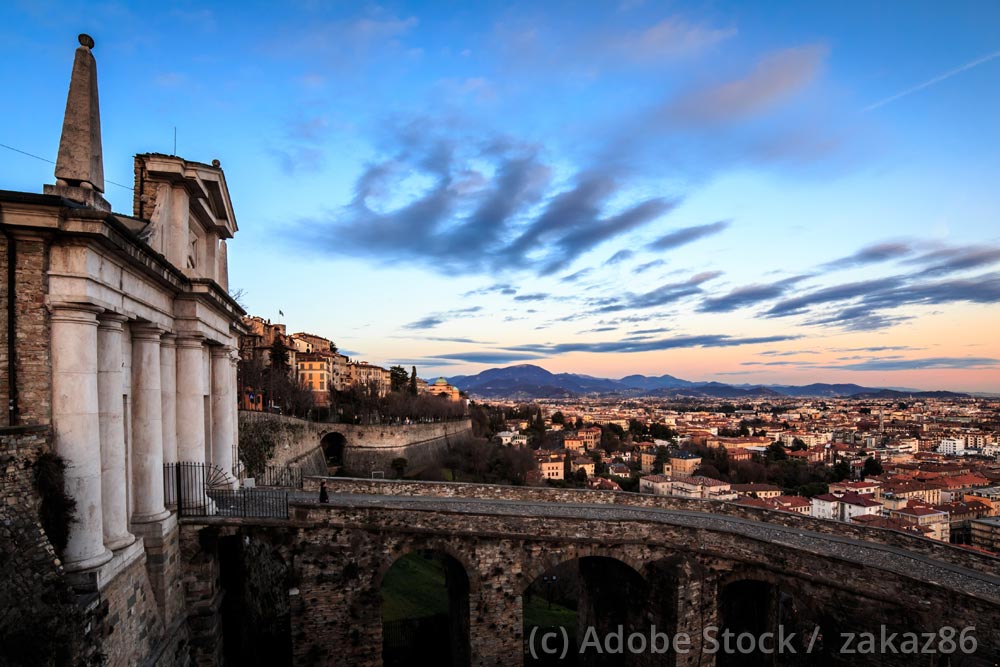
<point>118,353</point>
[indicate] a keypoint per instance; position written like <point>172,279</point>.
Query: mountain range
<point>528,381</point>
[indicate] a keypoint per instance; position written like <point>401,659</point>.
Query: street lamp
<point>549,580</point>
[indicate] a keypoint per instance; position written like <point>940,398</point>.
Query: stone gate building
<point>118,354</point>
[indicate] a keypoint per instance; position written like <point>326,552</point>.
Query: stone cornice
<point>33,213</point>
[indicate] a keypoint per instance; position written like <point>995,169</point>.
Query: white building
<point>843,506</point>
<point>951,446</point>
<point>657,485</point>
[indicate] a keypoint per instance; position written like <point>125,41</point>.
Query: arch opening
<point>752,608</point>
<point>333,445</point>
<point>586,600</point>
<point>425,610</point>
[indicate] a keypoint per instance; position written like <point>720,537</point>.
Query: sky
<point>766,192</point>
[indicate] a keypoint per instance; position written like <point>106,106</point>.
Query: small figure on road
<point>324,497</point>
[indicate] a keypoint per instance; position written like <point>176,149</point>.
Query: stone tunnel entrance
<point>425,611</point>
<point>333,445</point>
<point>584,601</point>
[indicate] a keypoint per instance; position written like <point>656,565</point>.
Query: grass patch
<point>537,611</point>
<point>414,587</point>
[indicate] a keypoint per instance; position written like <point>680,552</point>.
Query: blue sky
<point>742,192</point>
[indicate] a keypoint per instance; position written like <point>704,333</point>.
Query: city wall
<point>367,448</point>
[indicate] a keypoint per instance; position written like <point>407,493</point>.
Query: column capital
<point>82,313</point>
<point>144,331</point>
<point>190,340</point>
<point>221,350</point>
<point>168,339</point>
<point>111,321</point>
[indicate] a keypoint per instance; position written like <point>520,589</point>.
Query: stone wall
<point>311,463</point>
<point>932,548</point>
<point>369,447</point>
<point>34,363</point>
<point>372,448</point>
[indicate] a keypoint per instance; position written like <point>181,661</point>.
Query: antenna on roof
<point>175,142</point>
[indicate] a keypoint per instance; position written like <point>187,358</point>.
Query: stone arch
<point>595,592</point>
<point>442,545</point>
<point>439,637</point>
<point>333,444</point>
<point>549,559</point>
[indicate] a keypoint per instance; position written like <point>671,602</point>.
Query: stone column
<point>191,383</point>
<point>168,395</point>
<point>76,430</point>
<point>234,407</point>
<point>222,415</point>
<point>168,410</point>
<point>190,401</point>
<point>110,389</point>
<point>147,425</point>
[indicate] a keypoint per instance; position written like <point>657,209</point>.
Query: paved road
<point>870,554</point>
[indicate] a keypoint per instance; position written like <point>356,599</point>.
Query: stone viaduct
<point>680,565</point>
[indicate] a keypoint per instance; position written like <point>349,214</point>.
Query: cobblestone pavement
<point>869,554</point>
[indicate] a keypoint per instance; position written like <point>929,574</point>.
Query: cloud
<point>933,81</point>
<point>573,277</point>
<point>931,363</point>
<point>774,79</point>
<point>954,259</point>
<point>518,220</point>
<point>299,159</point>
<point>664,294</point>
<point>539,296</point>
<point>687,235</point>
<point>619,256</point>
<point>873,254</point>
<point>535,46</point>
<point>874,300</point>
<point>646,266</point>
<point>748,295</point>
<point>630,346</point>
<point>490,357</point>
<point>436,319</point>
<point>670,38</point>
<point>497,288</point>
<point>800,304</point>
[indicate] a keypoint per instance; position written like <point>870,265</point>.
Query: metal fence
<point>286,476</point>
<point>202,489</point>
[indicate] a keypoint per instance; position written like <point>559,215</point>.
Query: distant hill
<point>527,381</point>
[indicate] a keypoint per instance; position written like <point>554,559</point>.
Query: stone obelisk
<point>80,164</point>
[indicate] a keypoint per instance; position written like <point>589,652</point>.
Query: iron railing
<point>286,476</point>
<point>198,489</point>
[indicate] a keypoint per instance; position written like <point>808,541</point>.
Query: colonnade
<point>115,478</point>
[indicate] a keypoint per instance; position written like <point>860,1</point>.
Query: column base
<point>98,578</point>
<point>120,542</point>
<point>150,518</point>
<point>89,563</point>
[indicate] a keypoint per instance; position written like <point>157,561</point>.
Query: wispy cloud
<point>775,78</point>
<point>619,256</point>
<point>518,220</point>
<point>687,235</point>
<point>747,295</point>
<point>664,294</point>
<point>934,80</point>
<point>932,363</point>
<point>629,346</point>
<point>873,254</point>
<point>431,321</point>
